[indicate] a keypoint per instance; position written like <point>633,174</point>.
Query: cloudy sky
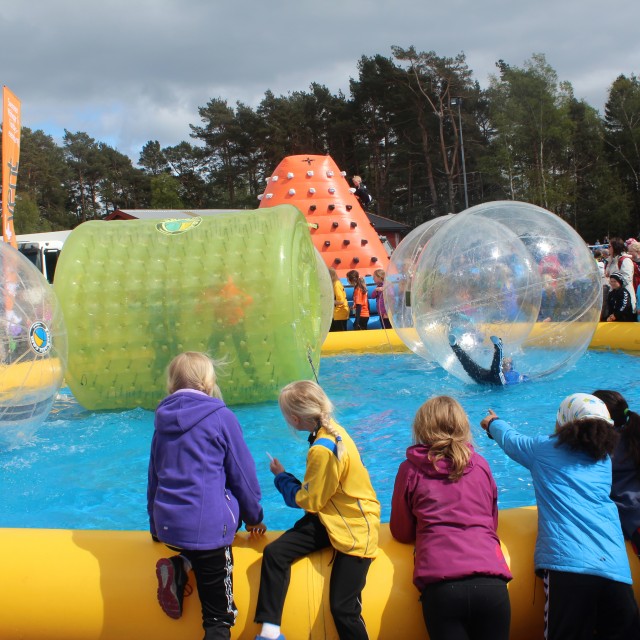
<point>130,71</point>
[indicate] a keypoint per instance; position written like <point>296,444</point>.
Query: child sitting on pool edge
<point>342,512</point>
<point>202,486</point>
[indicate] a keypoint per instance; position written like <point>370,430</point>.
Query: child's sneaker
<point>172,581</point>
<point>452,339</point>
<point>495,340</point>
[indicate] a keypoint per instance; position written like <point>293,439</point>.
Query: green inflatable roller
<point>242,287</point>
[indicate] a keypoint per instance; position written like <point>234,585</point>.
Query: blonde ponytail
<point>340,448</point>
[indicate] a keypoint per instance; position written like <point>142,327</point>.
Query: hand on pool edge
<point>256,530</point>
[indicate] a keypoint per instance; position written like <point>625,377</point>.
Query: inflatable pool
<point>80,584</point>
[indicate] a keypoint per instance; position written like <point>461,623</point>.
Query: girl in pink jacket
<point>445,501</point>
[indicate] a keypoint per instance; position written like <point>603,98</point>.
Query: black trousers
<point>348,578</point>
<point>578,606</point>
<point>338,325</point>
<point>214,576</point>
<point>476,372</point>
<point>474,608</point>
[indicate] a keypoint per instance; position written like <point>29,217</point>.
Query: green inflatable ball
<point>242,287</point>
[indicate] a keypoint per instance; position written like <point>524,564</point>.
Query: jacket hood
<point>418,455</point>
<point>182,410</point>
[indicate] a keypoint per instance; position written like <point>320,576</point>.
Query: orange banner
<point>10,161</point>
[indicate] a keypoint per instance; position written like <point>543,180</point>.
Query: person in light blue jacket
<point>580,551</point>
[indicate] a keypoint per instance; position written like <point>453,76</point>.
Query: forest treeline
<point>409,125</point>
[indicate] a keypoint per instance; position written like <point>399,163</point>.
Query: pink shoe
<point>172,584</point>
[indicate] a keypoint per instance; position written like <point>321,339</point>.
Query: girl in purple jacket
<point>202,486</point>
<point>445,501</point>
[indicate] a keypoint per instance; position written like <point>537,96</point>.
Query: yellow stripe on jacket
<point>340,492</point>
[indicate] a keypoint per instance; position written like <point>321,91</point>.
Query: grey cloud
<point>126,72</point>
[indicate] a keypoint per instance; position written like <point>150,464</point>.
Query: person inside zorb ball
<point>487,275</point>
<point>33,347</point>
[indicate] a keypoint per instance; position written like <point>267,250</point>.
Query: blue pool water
<point>88,470</point>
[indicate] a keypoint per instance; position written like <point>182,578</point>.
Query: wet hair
<point>193,370</point>
<point>306,400</point>
<point>442,424</point>
<point>593,436</point>
<point>379,273</point>
<point>358,283</point>
<point>626,421</point>
<point>618,246</point>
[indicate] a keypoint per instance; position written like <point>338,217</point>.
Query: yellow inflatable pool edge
<point>613,335</point>
<point>86,585</point>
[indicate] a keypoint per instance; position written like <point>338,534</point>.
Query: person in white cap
<point>580,551</point>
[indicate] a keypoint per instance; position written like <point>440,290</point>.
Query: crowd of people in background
<point>359,307</point>
<point>619,266</point>
<point>618,263</point>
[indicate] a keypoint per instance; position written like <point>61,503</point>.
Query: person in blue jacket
<point>202,486</point>
<point>499,373</point>
<point>580,551</point>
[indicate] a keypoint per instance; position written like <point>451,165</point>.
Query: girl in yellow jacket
<point>340,304</point>
<point>341,511</point>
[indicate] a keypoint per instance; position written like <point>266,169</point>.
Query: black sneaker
<point>172,581</point>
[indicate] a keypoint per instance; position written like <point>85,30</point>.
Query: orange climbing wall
<point>339,227</point>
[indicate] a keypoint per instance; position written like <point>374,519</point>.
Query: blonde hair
<point>634,246</point>
<point>442,424</point>
<point>193,370</point>
<point>379,273</point>
<point>306,400</point>
<point>333,274</point>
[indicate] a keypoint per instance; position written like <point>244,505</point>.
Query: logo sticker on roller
<point>40,337</point>
<point>174,226</point>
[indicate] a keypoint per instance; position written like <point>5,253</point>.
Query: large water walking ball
<point>399,279</point>
<point>33,347</point>
<point>512,270</point>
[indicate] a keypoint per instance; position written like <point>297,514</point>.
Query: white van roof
<point>47,236</point>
